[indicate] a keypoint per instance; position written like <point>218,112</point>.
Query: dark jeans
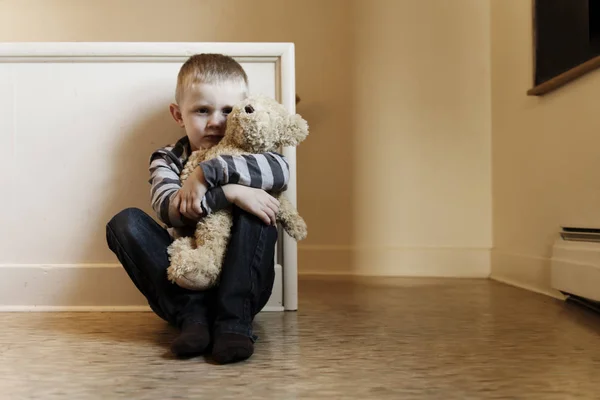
<point>246,279</point>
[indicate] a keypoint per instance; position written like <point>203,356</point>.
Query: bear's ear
<point>295,131</point>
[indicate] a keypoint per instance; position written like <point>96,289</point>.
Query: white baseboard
<point>526,272</point>
<point>80,288</point>
<point>106,287</point>
<point>444,262</point>
<point>75,309</point>
<point>34,308</point>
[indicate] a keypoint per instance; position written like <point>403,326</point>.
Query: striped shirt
<point>268,171</point>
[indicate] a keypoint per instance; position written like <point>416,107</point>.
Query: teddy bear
<point>257,124</point>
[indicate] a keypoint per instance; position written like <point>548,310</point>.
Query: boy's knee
<point>250,219</point>
<point>125,221</point>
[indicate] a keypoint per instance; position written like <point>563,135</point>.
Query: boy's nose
<point>216,121</point>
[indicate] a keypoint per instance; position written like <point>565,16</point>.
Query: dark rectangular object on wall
<point>595,25</point>
<point>564,33</point>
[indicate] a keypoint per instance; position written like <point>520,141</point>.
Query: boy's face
<point>203,111</point>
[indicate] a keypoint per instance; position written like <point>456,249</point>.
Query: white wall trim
<point>290,246</point>
<point>400,261</point>
<point>34,308</point>
<point>136,51</point>
<point>75,288</point>
<point>524,271</point>
<point>281,54</point>
<point>38,308</point>
<point>525,286</point>
<point>387,247</point>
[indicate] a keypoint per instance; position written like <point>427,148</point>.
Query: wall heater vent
<point>575,263</point>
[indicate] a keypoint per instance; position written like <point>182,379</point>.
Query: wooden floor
<point>396,338</point>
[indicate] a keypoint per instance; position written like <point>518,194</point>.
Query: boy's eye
<point>202,110</point>
<point>227,110</point>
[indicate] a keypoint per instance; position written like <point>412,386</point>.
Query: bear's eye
<point>249,109</point>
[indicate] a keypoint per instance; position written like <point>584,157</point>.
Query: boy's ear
<point>176,114</point>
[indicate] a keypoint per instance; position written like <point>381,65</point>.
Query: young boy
<point>208,86</point>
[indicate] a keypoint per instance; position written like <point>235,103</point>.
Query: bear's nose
<point>249,109</point>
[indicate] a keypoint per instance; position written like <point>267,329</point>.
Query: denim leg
<point>248,274</point>
<point>141,244</point>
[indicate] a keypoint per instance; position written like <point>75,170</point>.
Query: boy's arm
<point>165,183</point>
<point>253,200</point>
<point>267,171</point>
<point>214,200</point>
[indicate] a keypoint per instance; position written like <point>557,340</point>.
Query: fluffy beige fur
<point>256,125</point>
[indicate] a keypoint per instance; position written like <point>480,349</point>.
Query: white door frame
<point>281,53</point>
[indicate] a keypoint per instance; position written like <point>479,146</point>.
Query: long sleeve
<point>165,182</point>
<point>165,167</point>
<point>267,171</point>
<point>214,200</point>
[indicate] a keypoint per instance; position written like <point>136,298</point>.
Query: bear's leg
<point>246,283</point>
<point>290,219</point>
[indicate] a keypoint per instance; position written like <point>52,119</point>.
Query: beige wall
<point>545,153</point>
<point>422,153</point>
<point>395,177</point>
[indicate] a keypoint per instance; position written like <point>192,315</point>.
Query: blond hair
<point>209,68</point>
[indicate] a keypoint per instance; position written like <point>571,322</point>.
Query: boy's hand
<point>254,201</point>
<point>190,195</point>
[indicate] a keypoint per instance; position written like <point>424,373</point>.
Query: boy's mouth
<point>214,138</point>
